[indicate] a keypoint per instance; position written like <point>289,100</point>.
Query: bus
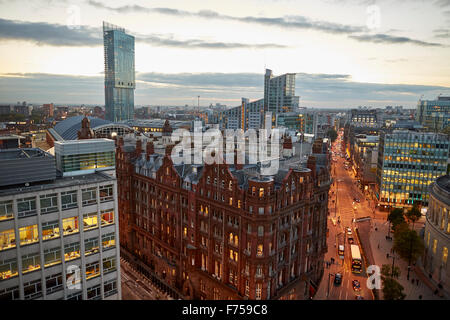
<point>356,259</point>
<point>341,250</point>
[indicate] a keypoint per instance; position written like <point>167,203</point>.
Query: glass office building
<point>434,114</point>
<point>408,162</point>
<point>119,73</point>
<point>84,156</point>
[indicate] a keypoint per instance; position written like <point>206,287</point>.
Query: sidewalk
<point>412,291</point>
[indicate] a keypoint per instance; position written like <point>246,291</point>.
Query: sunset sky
<point>344,56</point>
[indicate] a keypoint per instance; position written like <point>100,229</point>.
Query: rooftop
<point>58,183</point>
<point>444,183</point>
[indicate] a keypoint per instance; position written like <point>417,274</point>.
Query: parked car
<point>338,279</point>
<point>349,231</point>
<point>350,240</point>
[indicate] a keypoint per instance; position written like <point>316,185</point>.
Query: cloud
<point>442,33</point>
<point>387,39</point>
<point>43,33</point>
<point>316,90</point>
<point>289,22</point>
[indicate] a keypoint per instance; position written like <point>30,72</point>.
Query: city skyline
<point>52,51</point>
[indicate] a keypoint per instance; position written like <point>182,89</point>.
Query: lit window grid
<point>413,183</point>
<point>47,257</point>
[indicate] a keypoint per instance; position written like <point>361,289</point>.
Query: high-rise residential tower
<point>119,73</point>
<point>279,94</point>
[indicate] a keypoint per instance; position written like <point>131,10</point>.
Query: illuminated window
<point>107,217</point>
<point>90,221</point>
<point>109,264</point>
<point>259,251</point>
<point>50,230</point>
<point>6,210</point>
<point>91,246</point>
<point>28,234</point>
<point>7,239</point>
<point>106,193</point>
<point>444,255</point>
<point>8,268</point>
<point>31,262</point>
<point>261,192</point>
<point>70,225</point>
<point>71,251</point>
<point>92,270</point>
<point>434,245</point>
<point>231,201</point>
<point>108,241</point>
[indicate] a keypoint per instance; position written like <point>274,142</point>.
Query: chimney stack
<point>149,150</point>
<point>138,147</point>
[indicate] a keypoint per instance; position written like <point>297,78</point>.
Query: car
<point>357,200</point>
<point>349,231</point>
<point>356,285</point>
<point>359,297</point>
<point>338,279</point>
<point>350,240</point>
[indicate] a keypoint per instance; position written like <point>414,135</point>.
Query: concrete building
<point>58,235</point>
<point>437,233</point>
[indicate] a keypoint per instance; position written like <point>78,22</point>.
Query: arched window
<point>444,255</point>
<point>231,237</point>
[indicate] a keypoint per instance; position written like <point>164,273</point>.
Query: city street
<point>343,210</point>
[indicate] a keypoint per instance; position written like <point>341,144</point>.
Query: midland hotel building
<point>223,231</point>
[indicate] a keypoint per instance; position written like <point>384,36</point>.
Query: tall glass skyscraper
<point>279,94</point>
<point>119,73</point>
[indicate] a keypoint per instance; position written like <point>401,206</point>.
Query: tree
<point>413,214</point>
<point>396,217</point>
<point>332,134</point>
<point>392,290</point>
<point>408,244</point>
<point>386,271</point>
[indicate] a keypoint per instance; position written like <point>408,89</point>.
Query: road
<point>342,213</point>
<point>135,286</point>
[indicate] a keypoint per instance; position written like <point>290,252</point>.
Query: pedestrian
<point>387,255</point>
<point>412,280</point>
<point>417,282</point>
<point>378,246</point>
<point>420,297</point>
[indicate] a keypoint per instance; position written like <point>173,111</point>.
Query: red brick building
<point>224,231</point>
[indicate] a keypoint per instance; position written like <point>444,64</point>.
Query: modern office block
<point>59,238</point>
<point>434,114</point>
<point>408,161</point>
<point>119,73</point>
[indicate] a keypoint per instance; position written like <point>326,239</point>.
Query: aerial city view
<point>193,150</point>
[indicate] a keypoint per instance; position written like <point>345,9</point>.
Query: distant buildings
<point>279,101</point>
<point>408,162</point>
<point>48,110</point>
<point>119,73</point>
<point>58,235</point>
<point>434,114</point>
<point>437,233</point>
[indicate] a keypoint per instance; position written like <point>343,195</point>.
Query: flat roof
<point>11,154</point>
<point>60,182</point>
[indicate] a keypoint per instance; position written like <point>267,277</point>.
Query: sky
<point>346,53</point>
